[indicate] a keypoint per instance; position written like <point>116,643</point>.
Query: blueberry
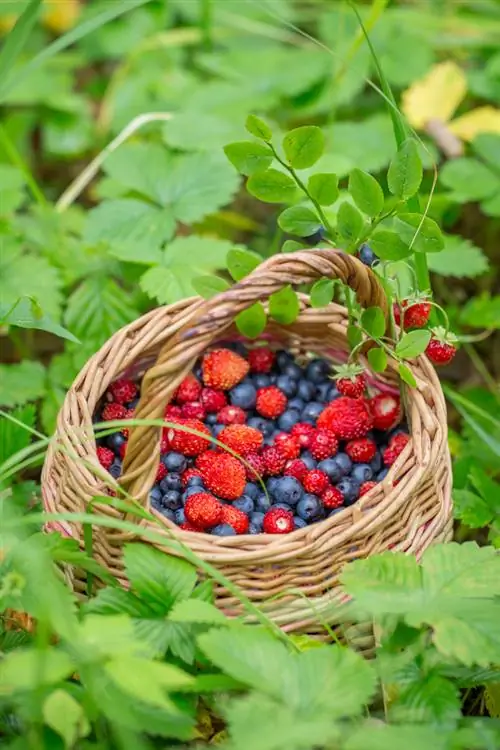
<point>251,490</point>
<point>283,358</point>
<point>308,460</point>
<point>382,474</point>
<point>253,529</point>
<point>244,503</point>
<point>288,419</point>
<point>262,503</point>
<point>198,372</point>
<point>362,473</point>
<point>172,500</point>
<point>376,462</point>
<point>344,463</point>
<point>115,441</point>
<point>271,484</point>
<point>309,507</point>
<point>174,462</point>
<point>311,412</point>
<point>217,429</point>
<point>243,395</point>
<point>261,380</point>
<point>287,385</point>
<point>315,237</point>
<point>350,490</point>
<point>180,516</point>
<point>273,377</point>
<point>326,392</point>
<point>334,512</point>
<point>211,419</point>
<point>306,390</point>
<point>296,404</point>
<point>366,255</point>
<point>399,430</point>
<point>193,490</point>
<point>257,519</point>
<point>331,469</point>
<point>317,371</point>
<point>155,496</point>
<point>238,347</point>
<point>293,371</point>
<point>170,514</point>
<point>171,482</point>
<point>288,490</point>
<point>195,481</point>
<point>299,522</point>
<point>283,506</point>
<point>116,468</point>
<point>223,529</point>
<point>262,425</point>
<point>132,404</point>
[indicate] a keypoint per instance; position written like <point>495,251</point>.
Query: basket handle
<point>179,353</point>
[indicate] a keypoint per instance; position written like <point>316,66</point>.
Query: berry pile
<point>317,442</point>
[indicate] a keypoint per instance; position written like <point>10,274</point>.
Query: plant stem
<point>19,162</point>
<point>206,18</point>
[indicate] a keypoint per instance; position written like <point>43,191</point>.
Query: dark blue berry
<point>132,404</point>
<point>116,468</point>
<point>273,377</point>
<point>171,482</point>
<point>174,462</point>
<point>155,496</point>
<point>350,490</point>
<point>115,441</point>
<point>244,503</point>
<point>180,516</point>
<point>172,500</point>
<point>344,463</point>
<point>283,506</point>
<point>262,503</point>
<point>334,512</point>
<point>198,372</point>
<point>299,522</point>
<point>167,513</point>
<point>309,461</point>
<point>261,380</point>
<point>362,473</point>
<point>315,237</point>
<point>366,255</point>
<point>296,404</point>
<point>195,481</point>
<point>309,507</point>
<point>238,347</point>
<point>287,490</point>
<point>193,490</point>
<point>211,419</point>
<point>311,412</point>
<point>293,371</point>
<point>217,429</point>
<point>382,474</point>
<point>326,392</point>
<point>306,390</point>
<point>251,490</point>
<point>376,462</point>
<point>283,358</point>
<point>287,385</point>
<point>271,484</point>
<point>331,469</point>
<point>288,419</point>
<point>223,529</point>
<point>262,425</point>
<point>317,371</point>
<point>252,529</point>
<point>243,395</point>
<point>257,519</point>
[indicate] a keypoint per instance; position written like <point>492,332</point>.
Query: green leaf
<point>430,699</point>
<point>323,188</point>
<point>377,359</point>
<point>471,509</point>
<point>354,335</point>
<point>405,171</point>
<point>248,157</point>
<point>208,286</point>
<point>15,42</point>
<point>422,233</point>
<point>322,293</point>
<point>147,680</point>
<point>27,314</point>
<point>136,228</point>
<point>389,246</point>
<point>258,128</point>
<point>196,610</point>
<point>291,246</point>
<point>413,344</point>
<point>366,192</point>
<point>252,321</point>
<point>460,258</point>
<point>272,186</point>
<point>284,306</point>
<point>407,376</point>
<point>27,669</point>
<point>303,146</point>
<point>161,579</point>
<point>349,222</point>
<point>469,180</point>
<point>63,714</point>
<point>28,275</point>
<point>487,147</point>
<point>13,437</point>
<point>379,736</point>
<point>242,262</point>
<point>373,321</point>
<point>481,312</point>
<point>21,383</point>
<point>299,220</point>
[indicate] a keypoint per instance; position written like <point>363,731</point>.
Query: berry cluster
<point>314,442</point>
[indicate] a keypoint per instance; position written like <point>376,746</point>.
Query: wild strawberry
<point>256,468</point>
<point>332,498</point>
<point>203,510</point>
<point>204,460</point>
<point>296,468</point>
<point>361,450</point>
<point>225,476</point>
<point>366,487</point>
<point>278,521</point>
<point>189,390</point>
<point>105,456</point>
<point>123,391</point>
<point>271,402</point>
<point>192,472</point>
<point>385,410</point>
<point>288,446</point>
<point>164,444</point>
<point>274,461</point>
<point>235,518</point>
<point>350,380</point>
<point>187,526</point>
<point>303,431</point>
<point>194,410</point>
<point>223,369</point>
<point>261,359</point>
<point>323,444</point>
<point>396,446</point>
<point>213,399</point>
<point>241,438</point>
<point>442,347</point>
<point>346,417</point>
<point>186,442</point>
<point>231,415</point>
<point>113,411</point>
<point>172,412</point>
<point>315,481</point>
<point>417,315</point>
<point>161,472</point>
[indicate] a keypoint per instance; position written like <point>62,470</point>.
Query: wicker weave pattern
<point>408,510</point>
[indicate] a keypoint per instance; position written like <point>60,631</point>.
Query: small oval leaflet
<point>366,192</point>
<point>252,322</point>
<point>323,188</point>
<point>248,157</point>
<point>271,186</point>
<point>322,293</point>
<point>377,359</point>
<point>349,222</point>
<point>303,146</point>
<point>413,344</point>
<point>373,321</point>
<point>241,262</point>
<point>299,220</point>
<point>405,171</point>
<point>258,128</point>
<point>284,306</point>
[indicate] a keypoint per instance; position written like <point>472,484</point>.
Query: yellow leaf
<point>60,15</point>
<point>480,120</point>
<point>436,96</point>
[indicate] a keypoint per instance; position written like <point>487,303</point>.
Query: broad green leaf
<point>291,246</point>
<point>303,146</point>
<point>379,736</point>
<point>24,274</point>
<point>63,714</point>
<point>368,143</point>
<point>389,246</point>
<point>481,312</point>
<point>366,192</point>
<point>429,699</point>
<point>487,487</point>
<point>322,293</point>
<point>413,343</point>
<point>377,359</point>
<point>161,579</point>
<point>373,321</point>
<point>248,157</point>
<point>468,179</point>
<point>284,306</point>
<point>28,669</point>
<point>200,131</point>
<point>13,437</point>
<point>196,610</point>
<point>299,220</point>
<point>20,383</point>
<point>272,186</point>
<point>242,262</point>
<point>252,321</point>
<point>135,227</point>
<point>112,636</point>
<point>257,127</point>
<point>147,680</point>
<point>209,286</point>
<point>487,147</point>
<point>422,233</point>
<point>471,509</point>
<point>407,376</point>
<point>354,335</point>
<point>26,313</point>
<point>349,222</point>
<point>460,258</point>
<point>405,171</point>
<point>323,188</point>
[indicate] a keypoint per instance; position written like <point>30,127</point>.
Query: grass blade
<point>15,42</point>
<point>466,408</point>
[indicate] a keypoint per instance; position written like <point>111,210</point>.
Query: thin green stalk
<point>206,23</point>
<point>16,159</point>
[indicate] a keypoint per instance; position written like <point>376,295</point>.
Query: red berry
<point>194,410</point>
<point>231,415</point>
<point>225,476</point>
<point>164,444</point>
<point>161,472</point>
<point>288,445</point>
<point>396,309</point>
<point>366,487</point>
<point>186,475</point>
<point>278,521</point>
<point>189,390</point>
<point>105,456</point>
<point>271,402</point>
<point>241,438</point>
<point>223,369</point>
<point>258,467</point>
<point>235,518</point>
<point>353,387</point>
<point>186,442</point>
<point>203,510</point>
<point>123,390</point>
<point>172,412</point>
<point>346,417</point>
<point>274,461</point>
<point>385,410</point>
<point>213,399</point>
<point>122,450</point>
<point>204,459</point>
<point>296,469</point>
<point>113,411</point>
<point>323,444</point>
<point>186,526</point>
<point>315,481</point>
<point>303,431</point>
<point>396,446</point>
<point>417,315</point>
<point>332,498</point>
<point>261,359</point>
<point>440,352</point>
<point>361,450</point>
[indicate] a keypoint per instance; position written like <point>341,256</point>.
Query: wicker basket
<point>292,577</point>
